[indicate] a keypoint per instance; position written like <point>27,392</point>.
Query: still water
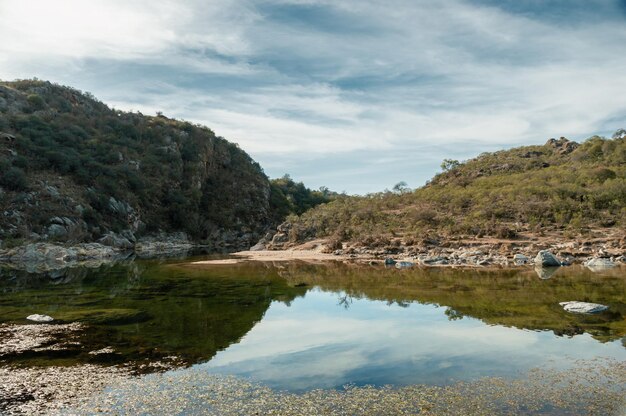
<point>299,326</point>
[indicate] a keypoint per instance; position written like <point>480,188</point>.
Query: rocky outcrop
<point>175,244</point>
<point>124,241</point>
<point>562,146</point>
<point>41,257</point>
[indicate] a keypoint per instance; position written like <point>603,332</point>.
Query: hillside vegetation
<point>73,169</point>
<point>562,186</point>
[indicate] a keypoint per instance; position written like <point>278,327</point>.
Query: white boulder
<point>583,307</point>
<point>40,318</point>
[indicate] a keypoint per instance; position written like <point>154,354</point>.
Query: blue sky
<point>356,95</point>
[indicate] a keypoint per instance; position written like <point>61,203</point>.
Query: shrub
<point>14,179</point>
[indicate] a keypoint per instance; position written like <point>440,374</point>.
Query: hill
<point>74,170</point>
<point>562,188</point>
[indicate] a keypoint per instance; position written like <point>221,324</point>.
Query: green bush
<point>14,179</point>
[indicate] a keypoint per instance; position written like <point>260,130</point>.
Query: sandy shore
<point>277,255</point>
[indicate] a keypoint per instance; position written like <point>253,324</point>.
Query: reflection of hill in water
<point>147,311</point>
<point>144,310</point>
<point>515,298</point>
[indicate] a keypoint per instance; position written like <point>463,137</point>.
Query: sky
<point>355,95</point>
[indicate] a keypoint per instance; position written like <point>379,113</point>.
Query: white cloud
<point>331,77</point>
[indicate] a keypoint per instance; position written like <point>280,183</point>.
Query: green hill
<point>562,186</point>
<point>73,169</point>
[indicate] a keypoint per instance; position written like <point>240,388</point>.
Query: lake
<point>298,326</point>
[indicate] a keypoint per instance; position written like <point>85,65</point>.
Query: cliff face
<point>73,170</point>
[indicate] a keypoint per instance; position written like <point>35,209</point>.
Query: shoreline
<point>483,253</point>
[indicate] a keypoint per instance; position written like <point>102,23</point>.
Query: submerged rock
<point>39,318</point>
<point>583,307</point>
<point>546,259</point>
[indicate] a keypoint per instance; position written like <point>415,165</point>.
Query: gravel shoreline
<point>590,388</point>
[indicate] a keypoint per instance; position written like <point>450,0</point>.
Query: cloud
<point>296,81</point>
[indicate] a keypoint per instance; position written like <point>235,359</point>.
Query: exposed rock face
<point>562,145</point>
<point>583,307</point>
<point>118,241</point>
<point>546,259</point>
<point>163,244</point>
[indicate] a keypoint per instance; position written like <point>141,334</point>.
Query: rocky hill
<point>561,189</point>
<point>74,170</point>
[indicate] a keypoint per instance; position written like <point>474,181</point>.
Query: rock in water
<point>404,264</point>
<point>39,318</point>
<point>520,259</point>
<point>598,264</point>
<point>546,259</point>
<point>583,307</point>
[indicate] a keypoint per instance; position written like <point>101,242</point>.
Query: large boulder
<point>56,231</point>
<point>546,259</point>
<point>583,307</point>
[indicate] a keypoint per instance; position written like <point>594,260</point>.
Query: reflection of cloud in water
<point>315,343</point>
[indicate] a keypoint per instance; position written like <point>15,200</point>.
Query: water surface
<point>298,326</point>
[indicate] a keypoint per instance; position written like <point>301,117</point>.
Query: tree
<point>449,164</point>
<point>619,134</point>
<point>401,188</point>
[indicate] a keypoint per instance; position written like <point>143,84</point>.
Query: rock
<point>259,246</point>
<point>176,244</point>
<point>389,261</point>
<point>520,259</point>
<point>40,318</point>
<point>599,263</point>
<point>404,264</point>
<point>435,260</point>
<point>583,307</point>
<point>546,259</point>
<point>545,273</point>
<point>562,145</point>
<point>112,239</point>
<point>128,234</point>
<point>280,238</point>
<point>57,231</point>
